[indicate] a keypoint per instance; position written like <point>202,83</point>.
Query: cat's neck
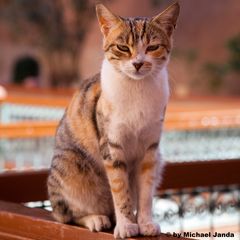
<point>116,84</point>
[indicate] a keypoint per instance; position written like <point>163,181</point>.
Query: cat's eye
<point>123,48</point>
<point>152,48</point>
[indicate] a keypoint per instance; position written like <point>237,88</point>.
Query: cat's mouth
<point>138,75</point>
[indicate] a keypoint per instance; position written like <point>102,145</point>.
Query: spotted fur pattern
<point>106,161</point>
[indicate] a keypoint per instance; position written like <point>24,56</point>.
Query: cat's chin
<point>136,76</point>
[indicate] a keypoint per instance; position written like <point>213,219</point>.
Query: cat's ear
<point>107,20</point>
<point>167,19</point>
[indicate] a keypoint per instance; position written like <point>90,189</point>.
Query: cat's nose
<point>137,65</point>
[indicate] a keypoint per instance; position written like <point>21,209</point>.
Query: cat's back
<point>79,124</point>
<point>85,98</point>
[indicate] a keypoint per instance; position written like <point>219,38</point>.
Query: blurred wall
<point>199,57</point>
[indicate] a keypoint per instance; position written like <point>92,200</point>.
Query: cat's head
<point>137,47</point>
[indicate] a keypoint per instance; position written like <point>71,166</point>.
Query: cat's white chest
<point>137,104</point>
<point>138,108</point>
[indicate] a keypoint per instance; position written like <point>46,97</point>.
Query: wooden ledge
<point>30,185</point>
<point>20,222</point>
<point>186,114</point>
<point>28,129</point>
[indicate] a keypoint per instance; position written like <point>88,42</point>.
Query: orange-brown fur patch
<point>159,53</point>
<point>82,129</point>
<point>117,187</point>
<point>146,166</point>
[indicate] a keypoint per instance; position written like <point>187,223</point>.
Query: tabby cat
<point>106,163</point>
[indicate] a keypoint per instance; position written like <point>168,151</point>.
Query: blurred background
<point>48,47</point>
<point>58,43</point>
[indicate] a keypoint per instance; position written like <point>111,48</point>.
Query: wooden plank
<point>182,114</point>
<point>38,100</point>
<point>28,129</point>
<point>53,93</point>
<point>39,96</point>
<point>24,186</point>
<point>202,119</point>
<point>29,186</point>
<point>25,223</point>
<point>197,120</point>
<point>201,174</point>
<point>7,236</point>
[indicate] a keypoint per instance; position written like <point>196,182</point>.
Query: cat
<point>106,162</point>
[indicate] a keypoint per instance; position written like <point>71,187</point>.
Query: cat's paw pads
<point>149,229</point>
<point>126,230</point>
<point>97,223</point>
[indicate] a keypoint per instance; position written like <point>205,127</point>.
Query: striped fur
<point>106,161</point>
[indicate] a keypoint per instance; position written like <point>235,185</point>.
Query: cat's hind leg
<point>60,208</point>
<point>79,191</point>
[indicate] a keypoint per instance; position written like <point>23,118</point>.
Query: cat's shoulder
<point>88,83</point>
<point>88,93</point>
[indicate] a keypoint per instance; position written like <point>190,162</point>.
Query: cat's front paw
<point>126,230</point>
<point>149,229</point>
